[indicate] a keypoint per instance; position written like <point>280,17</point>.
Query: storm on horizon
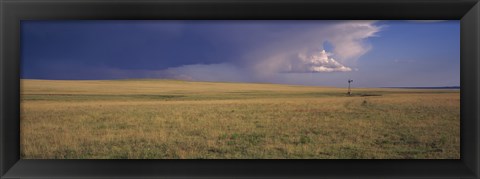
<point>314,52</point>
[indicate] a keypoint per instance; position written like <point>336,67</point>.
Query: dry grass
<point>159,119</point>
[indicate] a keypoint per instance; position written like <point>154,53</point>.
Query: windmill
<point>349,91</point>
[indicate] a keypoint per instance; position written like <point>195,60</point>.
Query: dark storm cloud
<point>293,52</point>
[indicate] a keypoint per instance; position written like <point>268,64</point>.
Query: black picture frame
<point>13,11</point>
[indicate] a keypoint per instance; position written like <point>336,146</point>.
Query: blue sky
<point>321,53</point>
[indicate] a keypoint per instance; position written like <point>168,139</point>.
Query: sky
<point>310,52</point>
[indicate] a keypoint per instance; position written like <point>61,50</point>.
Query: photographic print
<point>240,89</point>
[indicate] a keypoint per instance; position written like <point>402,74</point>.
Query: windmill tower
<point>349,91</point>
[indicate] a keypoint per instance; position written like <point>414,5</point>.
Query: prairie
<point>169,119</point>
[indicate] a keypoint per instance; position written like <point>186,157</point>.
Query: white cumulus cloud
<point>292,52</point>
<point>271,54</point>
<point>317,62</point>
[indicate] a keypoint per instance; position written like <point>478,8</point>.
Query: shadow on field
<point>363,94</point>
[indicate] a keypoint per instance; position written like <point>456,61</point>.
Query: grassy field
<point>165,119</point>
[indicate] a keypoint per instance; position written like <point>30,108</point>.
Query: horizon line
<point>417,87</point>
